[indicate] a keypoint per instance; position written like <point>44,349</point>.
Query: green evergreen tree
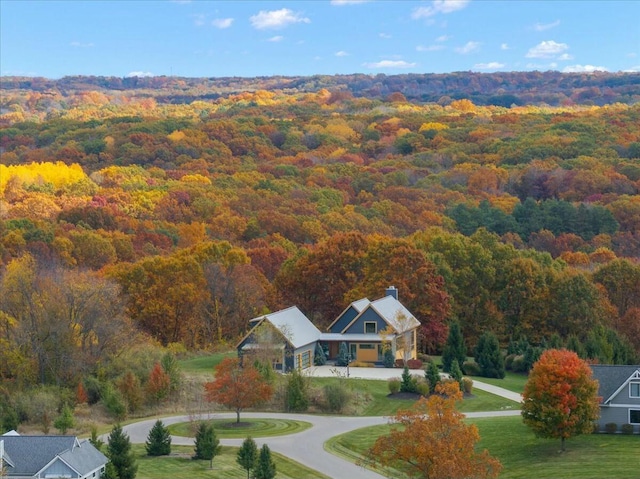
<point>170,365</point>
<point>159,440</point>
<point>574,344</point>
<point>432,374</point>
<point>489,357</point>
<point>408,383</point>
<point>389,358</point>
<point>10,420</point>
<point>94,439</point>
<point>343,355</point>
<point>120,454</point>
<point>207,444</point>
<point>555,342</point>
<point>65,420</point>
<point>454,348</point>
<point>319,358</point>
<point>265,468</point>
<point>297,392</point>
<point>248,455</point>
<point>456,373</point>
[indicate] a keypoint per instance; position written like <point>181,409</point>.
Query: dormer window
<point>370,327</point>
<point>634,390</point>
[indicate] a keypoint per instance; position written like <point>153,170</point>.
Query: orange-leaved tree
<point>237,387</point>
<point>433,442</point>
<point>560,399</point>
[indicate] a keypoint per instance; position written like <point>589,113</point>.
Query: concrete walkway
<point>307,447</point>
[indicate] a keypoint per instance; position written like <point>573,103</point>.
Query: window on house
<point>370,327</point>
<point>367,346</point>
<point>634,390</point>
<point>634,416</point>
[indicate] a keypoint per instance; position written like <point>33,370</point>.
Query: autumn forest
<point>171,212</point>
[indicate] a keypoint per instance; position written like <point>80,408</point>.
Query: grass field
<point>180,466</point>
<point>204,364</point>
<point>371,398</point>
<point>523,456</point>
<point>226,428</point>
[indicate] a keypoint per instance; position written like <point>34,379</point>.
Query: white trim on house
<point>633,406</point>
<point>635,375</point>
<point>375,327</point>
<point>52,461</point>
<point>634,383</point>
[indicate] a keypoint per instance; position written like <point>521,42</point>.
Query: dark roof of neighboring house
<point>29,454</point>
<point>610,378</point>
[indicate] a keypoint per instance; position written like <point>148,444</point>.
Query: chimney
<point>391,291</point>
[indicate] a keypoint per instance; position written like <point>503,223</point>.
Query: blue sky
<point>200,38</point>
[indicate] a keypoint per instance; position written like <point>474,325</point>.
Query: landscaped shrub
<point>388,358</point>
<point>336,397</point>
<point>409,384</point>
<point>414,364</point>
<point>489,357</point>
<point>467,385</point>
<point>343,355</point>
<point>627,428</point>
<point>456,372</point>
<point>508,362</point>
<point>610,428</point>
<point>471,368</point>
<point>518,365</point>
<point>399,363</point>
<point>432,376</point>
<point>423,388</point>
<point>361,364</point>
<point>394,385</point>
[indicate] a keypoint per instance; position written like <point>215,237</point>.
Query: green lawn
<point>523,456</point>
<point>512,381</point>
<point>227,429</point>
<point>180,466</point>
<point>204,364</point>
<point>371,398</point>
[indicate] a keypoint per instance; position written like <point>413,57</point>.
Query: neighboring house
<point>49,457</point>
<point>362,326</point>
<point>619,391</point>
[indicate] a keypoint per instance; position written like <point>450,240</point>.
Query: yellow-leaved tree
<point>433,442</point>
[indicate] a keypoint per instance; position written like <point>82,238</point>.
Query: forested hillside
<point>126,218</point>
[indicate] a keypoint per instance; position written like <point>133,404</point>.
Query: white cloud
<point>541,27</point>
<point>390,64</point>
<point>504,46</point>
<point>276,19</point>
<point>277,38</point>
<point>342,53</point>
<point>547,49</point>
<point>384,35</point>
<point>222,22</point>
<point>429,48</point>
<point>583,69</point>
<point>347,2</point>
<point>81,45</point>
<point>439,6</point>
<point>488,66</point>
<point>565,57</point>
<point>140,74</point>
<point>443,38</point>
<point>468,48</point>
<point>632,69</point>
<point>199,19</point>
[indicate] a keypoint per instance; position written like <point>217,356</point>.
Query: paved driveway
<point>307,447</point>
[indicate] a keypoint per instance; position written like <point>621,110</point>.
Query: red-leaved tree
<point>560,399</point>
<point>237,387</point>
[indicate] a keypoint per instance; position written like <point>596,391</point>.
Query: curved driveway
<point>307,447</point>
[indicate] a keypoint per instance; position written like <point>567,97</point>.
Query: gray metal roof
<point>30,454</point>
<point>610,378</point>
<point>360,304</point>
<point>85,458</point>
<point>293,325</point>
<point>391,309</point>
